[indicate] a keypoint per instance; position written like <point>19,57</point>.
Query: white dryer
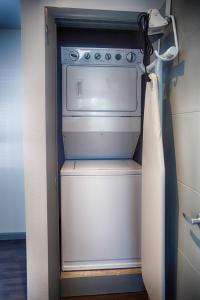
<point>100,214</point>
<point>101,102</point>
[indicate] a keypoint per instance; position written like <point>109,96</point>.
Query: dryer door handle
<point>79,88</point>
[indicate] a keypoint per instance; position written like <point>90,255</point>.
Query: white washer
<point>100,214</point>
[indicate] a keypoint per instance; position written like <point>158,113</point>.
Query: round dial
<point>107,56</point>
<point>74,55</point>
<point>131,57</point>
<point>118,56</point>
<point>97,56</point>
<point>87,55</point>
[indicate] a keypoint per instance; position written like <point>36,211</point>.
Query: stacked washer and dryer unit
<point>100,182</point>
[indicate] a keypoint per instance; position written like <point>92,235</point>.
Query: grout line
<point>189,262</point>
<point>186,112</point>
<point>189,187</point>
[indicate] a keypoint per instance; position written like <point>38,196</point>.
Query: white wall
<point>12,216</point>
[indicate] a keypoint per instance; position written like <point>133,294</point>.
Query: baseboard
<point>12,236</point>
<point>101,282</point>
<point>124,296</point>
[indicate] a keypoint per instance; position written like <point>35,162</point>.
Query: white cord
<point>169,54</point>
<point>172,52</point>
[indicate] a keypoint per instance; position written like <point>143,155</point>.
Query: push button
<point>118,56</point>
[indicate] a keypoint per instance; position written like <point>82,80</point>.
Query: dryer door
<point>100,90</point>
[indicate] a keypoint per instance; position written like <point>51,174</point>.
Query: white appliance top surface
<point>100,167</point>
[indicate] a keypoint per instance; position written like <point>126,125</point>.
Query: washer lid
<point>101,167</point>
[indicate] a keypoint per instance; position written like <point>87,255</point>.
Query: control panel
<point>100,56</point>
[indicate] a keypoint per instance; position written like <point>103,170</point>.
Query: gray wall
<point>12,216</point>
<point>182,114</point>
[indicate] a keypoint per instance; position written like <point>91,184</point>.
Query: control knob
<point>74,55</point>
<point>131,57</point>
<point>107,56</point>
<point>87,55</point>
<point>97,56</point>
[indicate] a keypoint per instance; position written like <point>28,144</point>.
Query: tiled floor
<point>13,270</point>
